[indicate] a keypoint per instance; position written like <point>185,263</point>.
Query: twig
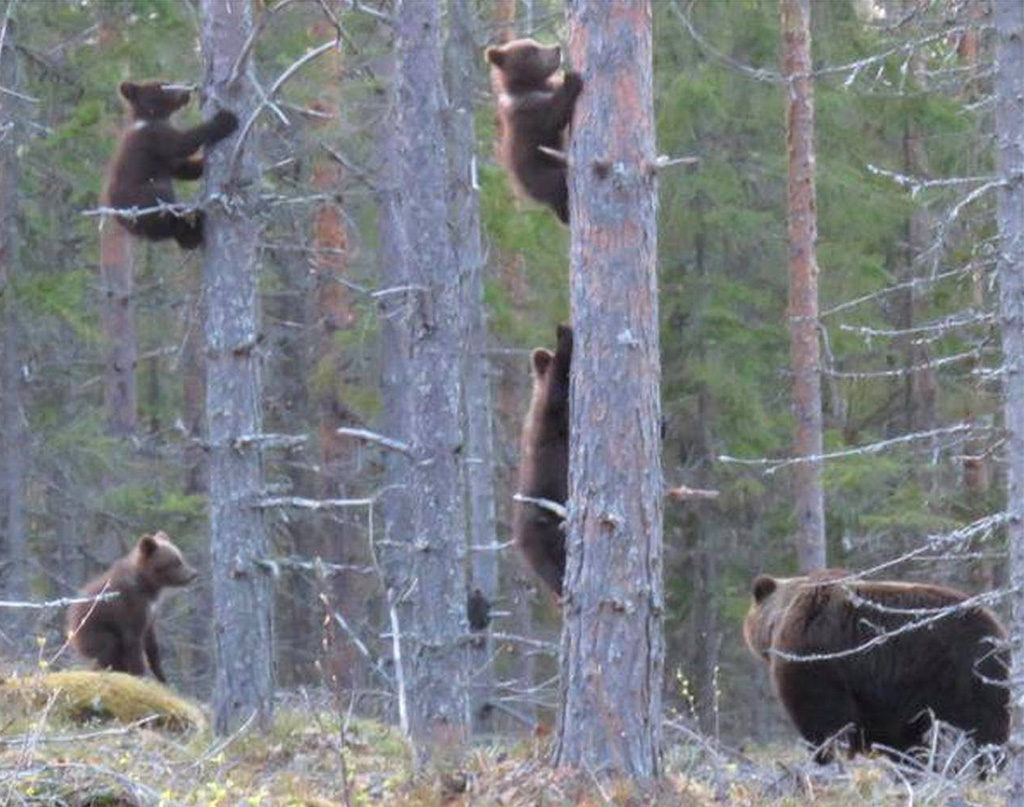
<point>62,602</point>
<point>683,493</point>
<point>870,448</point>
<point>312,504</point>
<point>544,504</point>
<point>373,437</point>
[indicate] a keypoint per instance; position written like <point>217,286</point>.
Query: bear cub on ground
<point>886,693</point>
<point>115,633</point>
<point>535,107</point>
<point>544,462</point>
<point>151,153</point>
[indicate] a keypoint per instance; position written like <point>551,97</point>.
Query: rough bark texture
<point>242,601</point>
<point>462,55</point>
<point>422,367</point>
<point>809,500</point>
<point>612,636</point>
<point>1009,86</point>
<point>120,394</point>
<point>194,386</point>
<point>14,572</point>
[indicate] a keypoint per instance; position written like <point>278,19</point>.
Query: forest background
<point>102,372</point>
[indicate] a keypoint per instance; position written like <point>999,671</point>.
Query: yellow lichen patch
<point>80,694</point>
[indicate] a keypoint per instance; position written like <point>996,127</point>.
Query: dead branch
<point>544,504</point>
<point>380,439</point>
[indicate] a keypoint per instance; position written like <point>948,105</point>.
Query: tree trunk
<point>428,565</point>
<point>462,55</point>
<point>809,498</point>
<point>193,396</point>
<point>1009,88</point>
<point>120,395</point>
<point>14,572</point>
<point>242,596</point>
<point>613,604</point>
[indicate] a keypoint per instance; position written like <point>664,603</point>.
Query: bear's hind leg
<point>189,232</point>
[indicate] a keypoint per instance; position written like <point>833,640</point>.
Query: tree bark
<point>120,393</point>
<point>427,570</point>
<point>14,572</point>
<point>462,55</point>
<point>808,495</point>
<point>1009,88</point>
<point>242,595</point>
<point>612,636</point>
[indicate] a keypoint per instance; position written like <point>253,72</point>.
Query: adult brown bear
<point>535,107</point>
<point>152,153</point>
<point>544,462</point>
<point>115,633</point>
<point>879,691</point>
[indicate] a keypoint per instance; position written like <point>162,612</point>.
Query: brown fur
<point>884,692</point>
<point>115,633</point>
<point>151,153</point>
<point>544,462</point>
<point>535,107</point>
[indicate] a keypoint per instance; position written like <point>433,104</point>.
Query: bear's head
<point>772,598</point>
<point>160,563</point>
<point>551,378</point>
<point>524,63</point>
<point>154,100</point>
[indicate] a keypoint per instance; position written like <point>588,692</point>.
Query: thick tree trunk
<point>1009,87</point>
<point>120,394</point>
<point>242,595</point>
<point>808,495</point>
<point>462,55</point>
<point>612,636</point>
<point>428,565</point>
<point>14,572</point>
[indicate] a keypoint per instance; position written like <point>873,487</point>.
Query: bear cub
<point>951,667</point>
<point>152,153</point>
<point>535,107</point>
<point>115,633</point>
<point>544,462</point>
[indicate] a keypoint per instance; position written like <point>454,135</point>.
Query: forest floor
<point>53,752</point>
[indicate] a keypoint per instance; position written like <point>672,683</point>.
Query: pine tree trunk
<point>242,595</point>
<point>193,374</point>
<point>427,569</point>
<point>1009,89</point>
<point>808,495</point>
<point>14,573</point>
<point>120,394</point>
<point>462,55</point>
<point>612,636</point>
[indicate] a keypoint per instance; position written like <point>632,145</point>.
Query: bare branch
<point>380,439</point>
<point>683,493</point>
<point>544,504</point>
<point>63,602</point>
<point>313,504</point>
<point>772,465</point>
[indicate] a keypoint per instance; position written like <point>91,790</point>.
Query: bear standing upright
<point>544,462</point>
<point>884,694</point>
<point>151,153</point>
<point>116,632</point>
<point>535,107</point>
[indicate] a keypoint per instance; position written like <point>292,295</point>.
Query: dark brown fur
<point>885,693</point>
<point>152,153</point>
<point>544,462</point>
<point>535,107</point>
<point>115,633</point>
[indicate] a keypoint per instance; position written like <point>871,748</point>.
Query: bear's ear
<point>763,586</point>
<point>541,359</point>
<point>495,56</point>
<point>147,545</point>
<point>129,91</point>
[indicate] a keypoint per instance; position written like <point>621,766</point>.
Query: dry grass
<point>55,752</point>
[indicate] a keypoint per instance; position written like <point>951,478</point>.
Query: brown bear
<point>116,632</point>
<point>534,108</point>
<point>544,462</point>
<point>151,153</point>
<point>886,693</point>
